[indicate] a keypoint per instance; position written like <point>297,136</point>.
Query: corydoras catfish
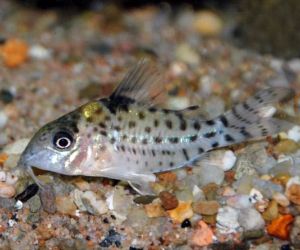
<point>126,136</point>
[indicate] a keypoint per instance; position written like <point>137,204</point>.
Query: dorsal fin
<point>143,84</point>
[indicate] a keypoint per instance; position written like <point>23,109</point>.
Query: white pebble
<point>250,219</point>
<point>227,220</point>
<point>294,133</point>
<point>98,206</point>
<point>39,52</point>
<point>210,174</point>
<point>3,119</point>
<point>178,102</point>
<point>16,147</point>
<point>18,205</point>
<point>281,199</point>
<point>239,201</point>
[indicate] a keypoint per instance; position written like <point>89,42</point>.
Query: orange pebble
<point>14,52</point>
<point>168,177</point>
<point>203,235</point>
<point>280,226</point>
<point>3,158</point>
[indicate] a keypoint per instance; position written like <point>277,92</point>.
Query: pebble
<point>93,203</point>
<point>250,219</point>
<point>295,233</point>
<point>168,200</point>
<point>203,235</point>
<point>281,199</point>
<point>112,238</point>
<point>184,194</point>
<point>178,102</point>
<point>16,147</point>
<point>47,196</point>
<point>210,191</point>
<point>253,234</point>
<point>227,220</point>
<point>294,133</point>
<point>187,54</point>
<point>286,146</point>
<point>271,212</point>
<point>255,195</point>
<point>207,23</point>
<point>206,207</point>
<point>210,174</point>
<point>280,227</point>
<point>34,204</point>
<point>65,205</point>
<point>6,190</point>
<point>181,212</point>
<point>39,52</point>
<point>293,193</point>
<point>3,119</point>
<point>14,52</point>
<point>239,201</point>
<point>119,202</point>
<point>154,210</point>
<point>6,96</point>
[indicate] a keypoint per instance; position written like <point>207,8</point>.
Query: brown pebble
<point>168,200</point>
<point>206,207</point>
<point>47,196</point>
<point>210,191</point>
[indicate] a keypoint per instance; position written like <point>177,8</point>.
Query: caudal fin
<point>253,118</point>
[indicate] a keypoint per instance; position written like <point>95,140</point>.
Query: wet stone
<point>47,197</point>
<point>144,199</point>
<point>34,204</point>
<point>112,239</point>
<point>206,207</point>
<point>168,200</point>
<point>6,96</point>
<point>253,234</point>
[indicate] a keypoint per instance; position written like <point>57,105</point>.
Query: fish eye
<point>63,140</point>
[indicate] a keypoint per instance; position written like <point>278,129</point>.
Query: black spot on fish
<point>166,111</point>
<point>168,152</point>
<point>117,128</point>
<point>152,109</point>
<point>145,141</point>
<point>224,120</point>
<point>112,140</point>
<point>156,123</point>
<point>200,150</point>
<point>193,138</point>
<point>209,134</point>
<point>123,148</point>
<point>102,125</point>
<point>215,144</point>
<point>185,153</point>
<point>160,163</point>
<point>95,129</point>
<point>143,152</point>
<point>104,133</point>
<point>146,164</point>
<point>171,164</point>
<point>74,127</point>
<point>153,152</point>
<point>169,124</point>
<point>133,150</point>
<point>124,137</point>
<point>229,138</point>
<point>158,139</point>
<point>245,133</point>
<point>246,106</point>
<point>210,122</point>
<point>119,118</point>
<point>133,139</point>
<point>197,125</point>
<point>107,118</point>
<point>89,119</point>
<point>182,125</point>
<point>173,140</point>
<point>141,115</point>
<point>163,152</point>
<point>131,124</point>
<point>148,130</point>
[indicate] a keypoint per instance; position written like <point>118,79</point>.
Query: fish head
<point>56,146</point>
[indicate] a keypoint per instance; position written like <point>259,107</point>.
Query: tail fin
<point>253,118</point>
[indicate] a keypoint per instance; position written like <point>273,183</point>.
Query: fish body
<point>127,137</point>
